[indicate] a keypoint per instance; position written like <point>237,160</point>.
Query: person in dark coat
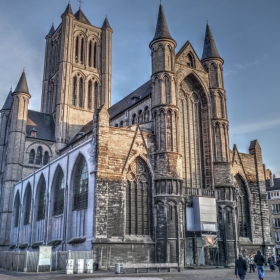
<point>240,267</point>
<point>259,261</point>
<point>271,261</point>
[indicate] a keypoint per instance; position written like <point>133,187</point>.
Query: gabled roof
<point>81,17</point>
<point>162,30</point>
<point>22,84</point>
<point>130,100</point>
<point>43,123</point>
<point>209,49</point>
<point>9,100</point>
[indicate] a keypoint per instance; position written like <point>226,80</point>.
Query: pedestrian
<point>271,261</point>
<point>259,261</point>
<point>240,267</point>
<point>250,262</point>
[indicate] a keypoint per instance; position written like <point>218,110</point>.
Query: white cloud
<point>255,126</point>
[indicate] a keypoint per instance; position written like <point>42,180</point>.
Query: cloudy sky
<point>246,34</point>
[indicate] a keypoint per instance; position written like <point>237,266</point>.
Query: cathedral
<point>151,179</point>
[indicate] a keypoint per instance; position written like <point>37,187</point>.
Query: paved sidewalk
<point>185,274</point>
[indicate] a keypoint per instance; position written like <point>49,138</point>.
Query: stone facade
<point>124,180</point>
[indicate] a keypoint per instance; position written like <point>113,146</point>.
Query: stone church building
<point>149,179</point>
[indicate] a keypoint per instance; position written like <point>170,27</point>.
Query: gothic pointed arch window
<point>167,89</point>
<point>41,199</point>
<point>134,119</point>
<point>146,114</point>
<point>242,207</point>
<point>82,51</point>
<point>58,192</point>
<point>74,91</point>
<point>95,95</point>
<point>213,75</point>
<point>140,116</point>
<point>138,199</point>
<point>94,55</point>
<point>81,92</point>
<point>80,184</point>
<point>39,155</point>
<point>90,95</point>
<point>31,156</point>
<point>191,61</point>
<point>16,210</point>
<point>77,49</point>
<point>90,54</point>
<point>46,158</point>
<point>27,205</point>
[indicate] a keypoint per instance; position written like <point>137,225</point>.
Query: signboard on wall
<point>45,256</point>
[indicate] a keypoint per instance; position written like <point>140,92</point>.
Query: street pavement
<point>185,274</point>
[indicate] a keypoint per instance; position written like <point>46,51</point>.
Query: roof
<point>162,30</point>
<point>131,99</point>
<point>68,9</point>
<point>51,30</point>
<point>81,17</point>
<point>22,84</point>
<point>43,123</point>
<point>85,130</point>
<point>9,100</point>
<point>276,185</point>
<point>106,23</point>
<point>209,49</point>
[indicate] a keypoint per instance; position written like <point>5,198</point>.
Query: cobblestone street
<point>190,274</point>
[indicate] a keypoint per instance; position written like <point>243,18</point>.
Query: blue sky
<point>246,34</point>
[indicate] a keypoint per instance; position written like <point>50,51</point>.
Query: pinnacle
<point>162,30</point>
<point>209,49</point>
<point>106,23</point>
<point>9,100</point>
<point>22,84</point>
<point>68,9</point>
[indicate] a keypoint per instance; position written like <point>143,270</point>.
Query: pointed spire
<point>81,17</point>
<point>68,9</point>
<point>209,49</point>
<point>162,30</point>
<point>9,100</point>
<point>51,30</point>
<point>106,24</point>
<point>22,84</point>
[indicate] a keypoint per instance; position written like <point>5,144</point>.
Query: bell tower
<point>77,73</point>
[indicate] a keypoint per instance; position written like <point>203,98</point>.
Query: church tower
<point>12,149</point>
<point>223,178</point>
<point>77,73</point>
<point>168,184</point>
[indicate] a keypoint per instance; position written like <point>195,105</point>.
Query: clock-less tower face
<point>74,63</point>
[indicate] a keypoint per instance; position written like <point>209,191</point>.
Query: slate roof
<point>106,24</point>
<point>81,17</point>
<point>131,99</point>
<point>85,130</point>
<point>68,9</point>
<point>8,103</point>
<point>51,30</point>
<point>43,123</point>
<point>22,84</point>
<point>276,185</point>
<point>209,50</point>
<point>162,30</point>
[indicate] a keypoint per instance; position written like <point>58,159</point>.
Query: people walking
<point>250,262</point>
<point>271,262</point>
<point>259,261</point>
<point>240,267</point>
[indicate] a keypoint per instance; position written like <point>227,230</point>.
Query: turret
<point>14,155</point>
<point>106,63</point>
<point>168,184</point>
